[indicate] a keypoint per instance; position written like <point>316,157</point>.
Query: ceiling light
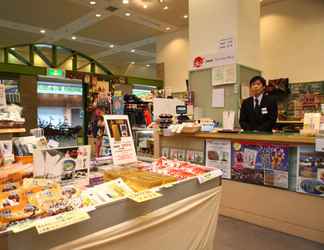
<point>161,1</point>
<point>167,28</point>
<point>111,46</point>
<point>133,63</point>
<point>147,65</point>
<point>74,38</point>
<point>92,2</point>
<point>98,15</point>
<point>165,7</point>
<point>127,14</point>
<point>133,50</point>
<point>12,48</point>
<point>125,2</point>
<point>43,31</point>
<point>145,6</point>
<point>185,16</point>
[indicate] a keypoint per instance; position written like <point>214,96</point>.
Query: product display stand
<point>162,222</point>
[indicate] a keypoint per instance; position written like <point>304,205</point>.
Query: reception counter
<point>284,199</point>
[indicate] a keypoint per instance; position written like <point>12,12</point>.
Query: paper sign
<point>121,139</point>
<point>3,101</point>
<point>23,226</point>
<point>319,144</point>
<point>218,155</point>
<point>230,74</point>
<point>209,176</point>
<point>218,98</point>
<point>228,119</point>
<point>218,76</point>
<point>143,196</point>
<point>61,220</point>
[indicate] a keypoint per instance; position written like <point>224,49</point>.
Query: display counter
<point>184,217</point>
<point>272,180</point>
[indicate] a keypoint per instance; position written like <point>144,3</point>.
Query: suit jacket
<point>262,119</point>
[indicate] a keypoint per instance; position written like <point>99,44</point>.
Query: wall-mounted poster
<point>218,154</point>
<point>310,165</point>
<point>68,165</point>
<point>263,164</point>
<point>121,139</point>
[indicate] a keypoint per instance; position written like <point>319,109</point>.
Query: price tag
<point>61,220</point>
<point>22,226</point>
<point>319,144</point>
<point>143,196</point>
<point>209,176</point>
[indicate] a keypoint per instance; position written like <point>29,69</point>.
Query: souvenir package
<point>6,155</point>
<point>178,169</point>
<point>138,179</point>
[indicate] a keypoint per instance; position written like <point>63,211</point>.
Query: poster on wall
<point>67,165</point>
<point>310,175</point>
<point>218,154</point>
<point>262,164</point>
<point>121,139</point>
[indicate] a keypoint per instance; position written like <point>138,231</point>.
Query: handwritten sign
<point>143,196</point>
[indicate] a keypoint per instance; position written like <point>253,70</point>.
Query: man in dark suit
<point>258,112</point>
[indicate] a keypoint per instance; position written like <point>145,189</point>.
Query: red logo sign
<point>199,61</point>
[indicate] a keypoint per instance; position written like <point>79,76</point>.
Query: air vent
<point>111,8</point>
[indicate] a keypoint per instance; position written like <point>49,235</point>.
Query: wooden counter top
<point>277,138</point>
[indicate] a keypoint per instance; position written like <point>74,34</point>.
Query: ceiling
<point>101,30</point>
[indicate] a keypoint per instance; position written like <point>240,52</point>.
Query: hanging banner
<point>218,154</point>
<point>121,139</point>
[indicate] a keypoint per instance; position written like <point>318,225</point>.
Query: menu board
<point>262,164</point>
<point>121,139</point>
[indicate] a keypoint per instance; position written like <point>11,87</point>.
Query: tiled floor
<point>238,235</point>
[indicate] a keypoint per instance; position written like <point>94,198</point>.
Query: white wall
<point>173,51</point>
<point>292,40</point>
<point>141,71</point>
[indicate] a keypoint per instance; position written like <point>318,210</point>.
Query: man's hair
<point>258,78</point>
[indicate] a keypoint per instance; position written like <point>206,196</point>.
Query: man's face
<point>257,88</point>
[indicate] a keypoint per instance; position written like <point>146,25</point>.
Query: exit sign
<point>55,72</point>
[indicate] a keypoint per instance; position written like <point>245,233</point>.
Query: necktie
<point>257,106</point>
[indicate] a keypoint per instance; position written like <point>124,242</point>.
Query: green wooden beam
<point>44,58</point>
<point>31,55</point>
<point>19,57</point>
<point>22,69</point>
<point>93,68</point>
<point>54,56</point>
<point>74,62</point>
<point>6,55</point>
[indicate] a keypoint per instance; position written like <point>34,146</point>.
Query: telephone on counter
<point>181,111</point>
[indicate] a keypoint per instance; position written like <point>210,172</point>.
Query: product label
<point>143,196</point>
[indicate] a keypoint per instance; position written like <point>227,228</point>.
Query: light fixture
<point>185,16</point>
<point>161,1</point>
<point>125,1</point>
<point>98,15</point>
<point>165,7</point>
<point>167,28</point>
<point>127,14</point>
<point>133,50</point>
<point>111,46</point>
<point>132,63</point>
<point>43,31</point>
<point>147,65</point>
<point>145,6</point>
<point>74,38</point>
<point>93,2</point>
<point>12,48</point>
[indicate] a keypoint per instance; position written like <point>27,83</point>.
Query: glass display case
<point>144,143</point>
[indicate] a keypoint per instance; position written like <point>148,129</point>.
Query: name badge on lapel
<point>264,111</point>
